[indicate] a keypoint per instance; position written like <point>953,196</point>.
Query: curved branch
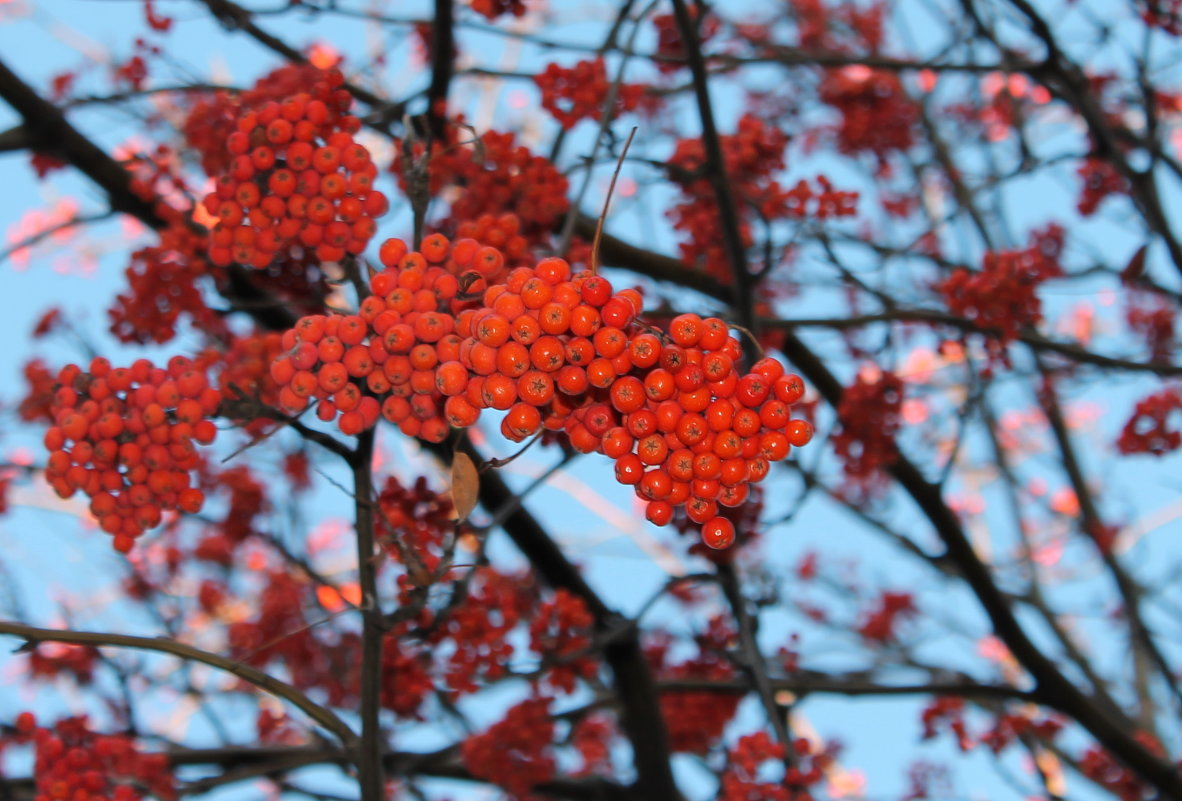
<point>323,716</point>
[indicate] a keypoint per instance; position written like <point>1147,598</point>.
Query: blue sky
<point>51,560</point>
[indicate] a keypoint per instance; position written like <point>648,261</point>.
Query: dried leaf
<point>465,485</point>
<point>1135,267</point>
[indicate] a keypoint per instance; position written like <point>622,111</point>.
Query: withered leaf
<point>465,484</point>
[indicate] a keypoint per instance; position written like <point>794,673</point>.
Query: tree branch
<point>369,761</point>
<point>323,716</point>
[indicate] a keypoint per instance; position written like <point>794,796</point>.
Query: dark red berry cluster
<point>1099,180</point>
<point>746,776</point>
<point>490,174</point>
<point>74,763</point>
<point>753,154</point>
<point>696,719</point>
<point>1002,297</point>
<point>561,632</point>
<point>877,116</point>
<point>214,116</point>
<point>1149,429</point>
<point>669,41</point>
<point>514,753</point>
<point>580,92</point>
<point>162,286</point>
<point>870,416</point>
<point>496,8</point>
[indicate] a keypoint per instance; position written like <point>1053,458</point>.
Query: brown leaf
<point>465,484</point>
<point>1135,267</point>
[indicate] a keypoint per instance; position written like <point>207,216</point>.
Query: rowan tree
<point>611,400</point>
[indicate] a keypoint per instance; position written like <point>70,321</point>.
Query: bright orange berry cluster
<point>125,437</point>
<point>502,231</point>
<point>297,179</point>
<point>396,348</point>
<point>444,337</point>
<point>580,92</point>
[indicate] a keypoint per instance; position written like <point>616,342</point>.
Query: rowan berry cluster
<point>73,762</point>
<point>946,710</point>
<point>298,179</point>
<point>162,286</point>
<point>417,516</point>
<point>745,517</point>
<point>1110,773</point>
<point>443,337</point>
<point>406,682</point>
<point>870,417</point>
<point>214,116</point>
<point>50,660</point>
<point>753,154</point>
<point>501,231</point>
<point>125,437</point>
<point>1009,727</point>
<point>561,632</point>
<point>746,774</point>
<point>496,603</point>
<point>580,92</point>
<point>669,41</point>
<point>278,729</point>
<point>403,344</point>
<point>878,624</point>
<point>515,752</point>
<point>695,719</point>
<point>1100,180</point>
<point>592,737</point>
<point>245,374</point>
<point>496,175</point>
<point>877,116</point>
<point>496,8</point>
<point>1002,297</point>
<point>282,632</point>
<point>1153,317</point>
<point>1148,430</point>
<point>37,405</point>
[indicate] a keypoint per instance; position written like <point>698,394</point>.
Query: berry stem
<point>594,266</point>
